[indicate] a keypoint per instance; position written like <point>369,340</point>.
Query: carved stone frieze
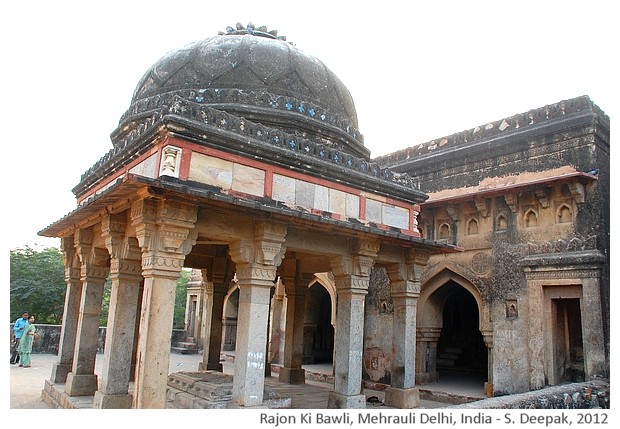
<point>562,274</point>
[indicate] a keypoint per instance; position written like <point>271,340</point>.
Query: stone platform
<point>212,390</point>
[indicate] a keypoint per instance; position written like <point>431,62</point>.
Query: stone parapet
<point>589,395</point>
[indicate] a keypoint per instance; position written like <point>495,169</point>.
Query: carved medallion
<point>481,263</point>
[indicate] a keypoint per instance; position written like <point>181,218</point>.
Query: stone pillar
<point>352,276</point>
<point>488,341</point>
<point>426,352</point>
<point>277,332</point>
<point>267,361</point>
<point>126,276</point>
<point>405,291</point>
<point>217,280</point>
<point>592,328</point>
<point>82,380</point>
<point>73,296</point>
<point>256,263</point>
<point>165,233</point>
<point>292,372</point>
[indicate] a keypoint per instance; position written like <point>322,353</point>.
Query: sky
<point>416,71</point>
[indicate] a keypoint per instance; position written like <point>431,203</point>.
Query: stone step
<point>452,356</point>
<point>452,349</point>
<point>187,345</point>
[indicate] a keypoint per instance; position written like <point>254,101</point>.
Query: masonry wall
<point>49,338</point>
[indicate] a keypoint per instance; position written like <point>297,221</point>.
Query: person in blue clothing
<point>18,329</point>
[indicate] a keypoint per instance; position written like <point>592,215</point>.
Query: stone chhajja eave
<point>211,127</point>
<point>458,195</point>
<point>115,198</point>
<point>130,186</point>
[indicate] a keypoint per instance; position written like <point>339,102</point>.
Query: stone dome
<point>253,73</point>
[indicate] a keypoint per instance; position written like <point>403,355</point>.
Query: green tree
<point>38,284</point>
<point>180,300</point>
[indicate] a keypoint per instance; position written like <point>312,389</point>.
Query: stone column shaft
<point>248,381</point>
<point>82,380</point>
<point>155,337</point>
<point>214,310</point>
<point>592,328</point>
<point>165,233</point>
<point>256,263</point>
<point>349,338</point>
<point>404,342</point>
<point>68,333</point>
<point>405,291</point>
<point>126,279</point>
<point>292,371</point>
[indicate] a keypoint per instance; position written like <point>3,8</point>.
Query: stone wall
<point>49,338</point>
<point>589,395</point>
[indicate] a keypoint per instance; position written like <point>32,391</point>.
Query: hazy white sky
<point>416,71</point>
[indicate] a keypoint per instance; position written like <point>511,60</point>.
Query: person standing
<point>18,330</point>
<point>27,340</point>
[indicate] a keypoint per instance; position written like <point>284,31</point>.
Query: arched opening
<point>564,214</point>
<point>460,347</point>
<point>472,227</point>
<point>318,328</point>
<point>531,219</point>
<point>501,223</point>
<point>444,231</point>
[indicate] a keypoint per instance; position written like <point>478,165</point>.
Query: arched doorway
<point>318,327</point>
<point>461,348</point>
<point>452,332</point>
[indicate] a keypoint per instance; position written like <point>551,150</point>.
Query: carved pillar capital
<point>165,232</point>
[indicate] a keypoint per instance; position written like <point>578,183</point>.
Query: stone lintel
<point>292,375</point>
<point>339,401</point>
<point>60,371</point>
<point>564,259</point>
<point>81,385</point>
<point>402,398</point>
<point>105,401</point>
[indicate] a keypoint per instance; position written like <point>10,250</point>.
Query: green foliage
<point>180,300</point>
<point>38,284</point>
<point>105,305</point>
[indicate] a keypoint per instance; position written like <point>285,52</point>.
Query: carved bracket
<point>577,191</point>
<point>511,200</point>
<point>543,197</point>
<point>483,206</point>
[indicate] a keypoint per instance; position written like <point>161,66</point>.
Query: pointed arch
<point>330,287</point>
<point>437,276</point>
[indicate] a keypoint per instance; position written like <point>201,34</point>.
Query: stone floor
<point>27,385</point>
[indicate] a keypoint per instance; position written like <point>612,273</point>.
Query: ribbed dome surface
<point>249,72</point>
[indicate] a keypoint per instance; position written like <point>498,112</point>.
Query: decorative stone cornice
<point>192,114</point>
<point>505,126</point>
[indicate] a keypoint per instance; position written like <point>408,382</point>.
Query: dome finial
<point>251,29</point>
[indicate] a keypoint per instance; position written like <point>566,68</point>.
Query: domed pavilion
<point>240,156</point>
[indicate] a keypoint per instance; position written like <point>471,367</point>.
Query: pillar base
<point>60,371</point>
<point>402,398</point>
<point>292,375</point>
<point>104,401</point>
<point>488,389</point>
<point>210,367</point>
<point>81,385</point>
<point>336,400</point>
